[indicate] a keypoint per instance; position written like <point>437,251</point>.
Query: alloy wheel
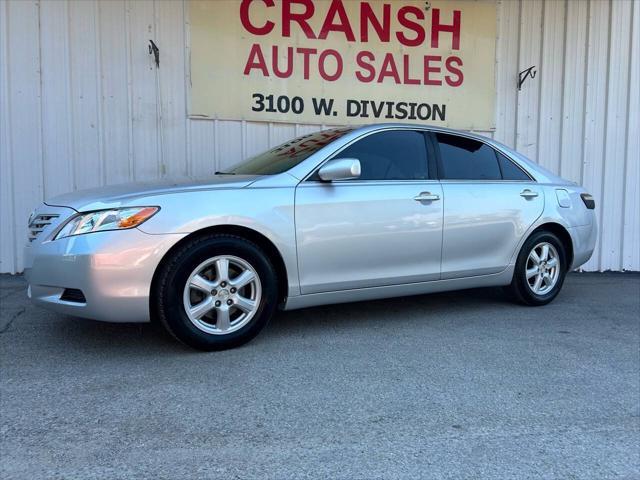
<point>222,294</point>
<point>543,268</point>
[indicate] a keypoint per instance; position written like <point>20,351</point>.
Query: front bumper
<point>113,269</point>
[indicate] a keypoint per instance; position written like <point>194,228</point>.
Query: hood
<point>128,194</point>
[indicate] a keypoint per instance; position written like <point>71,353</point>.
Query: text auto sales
<point>417,27</point>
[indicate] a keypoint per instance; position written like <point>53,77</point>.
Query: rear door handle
<point>526,193</point>
<point>426,197</point>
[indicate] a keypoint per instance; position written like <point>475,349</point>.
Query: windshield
<point>289,154</point>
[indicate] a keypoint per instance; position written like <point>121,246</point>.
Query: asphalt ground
<point>457,385</point>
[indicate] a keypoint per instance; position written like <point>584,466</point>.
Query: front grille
<point>73,295</point>
<point>39,223</point>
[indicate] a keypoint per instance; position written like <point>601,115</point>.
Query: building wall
<point>82,105</point>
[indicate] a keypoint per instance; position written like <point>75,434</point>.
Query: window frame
<point>440,167</point>
<point>431,161</point>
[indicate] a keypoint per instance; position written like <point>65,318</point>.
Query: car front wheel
<point>216,292</point>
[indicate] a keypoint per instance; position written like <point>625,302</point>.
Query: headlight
<point>116,219</point>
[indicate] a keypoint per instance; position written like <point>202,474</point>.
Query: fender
<point>568,218</point>
<point>267,211</point>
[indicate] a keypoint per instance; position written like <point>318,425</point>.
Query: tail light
<point>588,200</point>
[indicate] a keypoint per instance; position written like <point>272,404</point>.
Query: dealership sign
<point>344,61</point>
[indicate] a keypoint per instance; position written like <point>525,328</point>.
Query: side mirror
<point>340,169</point>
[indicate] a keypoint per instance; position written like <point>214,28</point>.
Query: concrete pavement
<point>457,385</point>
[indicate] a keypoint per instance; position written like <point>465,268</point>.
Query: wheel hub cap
<point>222,294</point>
<point>543,268</point>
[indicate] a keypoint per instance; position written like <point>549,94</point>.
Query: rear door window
<point>463,158</point>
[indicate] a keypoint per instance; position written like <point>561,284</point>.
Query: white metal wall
<point>82,105</point>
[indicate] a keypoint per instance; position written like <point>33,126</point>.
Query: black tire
<point>520,290</point>
<point>169,285</point>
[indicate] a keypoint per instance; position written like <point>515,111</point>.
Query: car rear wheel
<point>216,292</point>
<point>540,269</point>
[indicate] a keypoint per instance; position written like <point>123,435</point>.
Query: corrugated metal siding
<point>82,105</point>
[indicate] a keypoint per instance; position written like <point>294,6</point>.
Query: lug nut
<point>214,292</point>
<point>218,303</point>
<point>233,290</point>
<point>229,302</point>
<point>223,284</point>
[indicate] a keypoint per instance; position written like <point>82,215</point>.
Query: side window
<point>466,159</point>
<point>390,155</point>
<point>510,171</point>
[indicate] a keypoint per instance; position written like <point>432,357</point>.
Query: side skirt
<point>374,293</point>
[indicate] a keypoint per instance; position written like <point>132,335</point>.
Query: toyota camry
<point>343,215</point>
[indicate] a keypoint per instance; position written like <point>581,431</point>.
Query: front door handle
<point>426,197</point>
<point>526,193</point>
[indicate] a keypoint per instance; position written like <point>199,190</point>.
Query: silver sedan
<point>347,214</point>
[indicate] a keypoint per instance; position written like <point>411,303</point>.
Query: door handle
<point>526,193</point>
<point>426,197</point>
